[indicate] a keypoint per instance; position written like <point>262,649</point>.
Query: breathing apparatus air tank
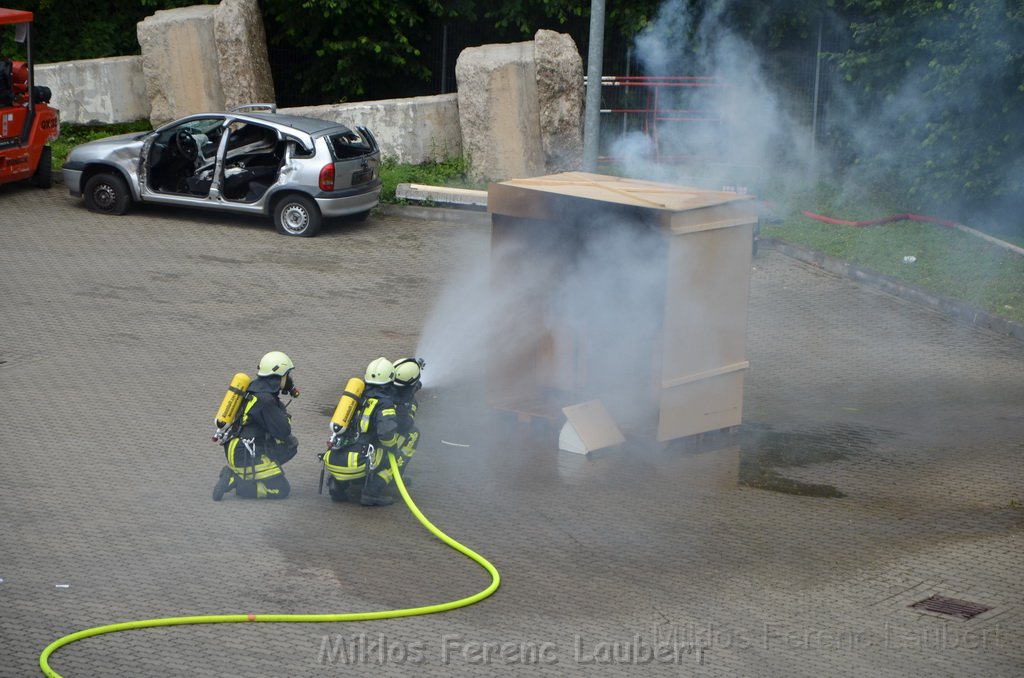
<point>349,402</point>
<point>230,405</point>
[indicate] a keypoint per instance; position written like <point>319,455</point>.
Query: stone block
<point>242,52</point>
<point>412,130</point>
<point>560,96</point>
<point>498,111</point>
<point>97,91</point>
<point>180,62</point>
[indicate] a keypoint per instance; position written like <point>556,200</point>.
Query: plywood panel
<point>706,301</point>
<point>700,406</point>
<point>551,189</point>
<point>686,370</point>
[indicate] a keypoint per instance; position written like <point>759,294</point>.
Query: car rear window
<point>349,144</point>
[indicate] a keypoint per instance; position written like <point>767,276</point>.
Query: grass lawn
<point>948,262</point>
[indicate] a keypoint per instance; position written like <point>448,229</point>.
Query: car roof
<point>311,126</point>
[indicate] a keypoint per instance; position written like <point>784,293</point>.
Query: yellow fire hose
<point>294,618</point>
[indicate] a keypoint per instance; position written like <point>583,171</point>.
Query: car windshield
<point>204,126</point>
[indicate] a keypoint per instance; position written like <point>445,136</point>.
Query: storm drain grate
<point>962,609</point>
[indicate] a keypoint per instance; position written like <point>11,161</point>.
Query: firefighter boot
<point>373,493</point>
<point>225,483</point>
<point>338,489</point>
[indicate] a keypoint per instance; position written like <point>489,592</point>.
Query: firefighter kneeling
<point>361,452</point>
<point>260,441</point>
<point>407,383</point>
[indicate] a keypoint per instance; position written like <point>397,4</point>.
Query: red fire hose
<point>907,216</point>
<point>884,220</point>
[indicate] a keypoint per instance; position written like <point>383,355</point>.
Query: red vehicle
<point>27,122</point>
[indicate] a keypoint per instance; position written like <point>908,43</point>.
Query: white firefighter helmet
<point>275,362</point>
<point>380,371</point>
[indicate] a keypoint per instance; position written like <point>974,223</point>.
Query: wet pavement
<point>119,337</point>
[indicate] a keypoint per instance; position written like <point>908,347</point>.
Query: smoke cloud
<point>731,131</point>
<point>913,134</point>
<point>572,312</point>
<point>588,294</point>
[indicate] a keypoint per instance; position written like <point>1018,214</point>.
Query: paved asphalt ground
<point>118,337</point>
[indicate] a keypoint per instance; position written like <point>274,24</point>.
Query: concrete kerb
<point>472,217</point>
<point>958,310</point>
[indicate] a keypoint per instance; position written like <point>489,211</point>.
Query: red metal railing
<point>645,102</point>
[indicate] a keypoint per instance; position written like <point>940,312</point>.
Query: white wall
<point>112,90</point>
<point>92,91</point>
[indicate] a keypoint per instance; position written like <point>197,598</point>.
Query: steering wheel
<point>186,144</point>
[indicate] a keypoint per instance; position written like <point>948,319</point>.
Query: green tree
<point>353,42</point>
<point>522,18</point>
<point>68,30</point>
<point>944,81</point>
<point>343,49</point>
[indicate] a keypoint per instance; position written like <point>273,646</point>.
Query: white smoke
<point>609,305</point>
<point>731,131</point>
<point>571,313</point>
<point>473,318</point>
<point>454,337</point>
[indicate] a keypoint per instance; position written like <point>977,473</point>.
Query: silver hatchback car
<point>294,169</point>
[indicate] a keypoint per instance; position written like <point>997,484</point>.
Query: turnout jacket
<point>405,408</point>
<point>263,414</point>
<point>378,419</point>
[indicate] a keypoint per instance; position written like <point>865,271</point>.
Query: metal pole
<point>629,62</point>
<point>592,116</point>
<point>444,60</point>
<point>817,83</point>
<point>31,78</point>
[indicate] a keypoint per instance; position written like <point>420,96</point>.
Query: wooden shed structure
<point>631,292</point>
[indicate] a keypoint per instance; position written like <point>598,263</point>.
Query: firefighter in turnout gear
<point>363,453</point>
<point>407,383</point>
<point>261,440</point>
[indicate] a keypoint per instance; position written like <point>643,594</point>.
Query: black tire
<point>43,178</point>
<point>107,193</point>
<point>297,215</point>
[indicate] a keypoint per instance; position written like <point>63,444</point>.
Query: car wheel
<point>297,215</point>
<point>107,193</point>
<point>43,178</point>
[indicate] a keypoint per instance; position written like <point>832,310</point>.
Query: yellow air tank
<point>347,405</point>
<point>232,400</point>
